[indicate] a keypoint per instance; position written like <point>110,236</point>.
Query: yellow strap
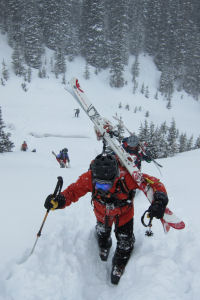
<point>149,181</point>
<point>55,204</point>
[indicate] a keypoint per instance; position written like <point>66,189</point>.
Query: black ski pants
<point>125,240</point>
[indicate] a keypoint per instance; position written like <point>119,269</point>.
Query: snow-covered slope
<point>65,264</point>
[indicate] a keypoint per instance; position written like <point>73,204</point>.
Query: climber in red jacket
<point>113,190</point>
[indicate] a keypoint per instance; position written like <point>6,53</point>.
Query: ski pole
<point>149,231</point>
<point>56,191</point>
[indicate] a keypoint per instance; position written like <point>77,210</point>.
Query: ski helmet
<point>105,167</point>
<point>131,141</point>
<point>65,150</point>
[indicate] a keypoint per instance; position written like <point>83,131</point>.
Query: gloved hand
<point>157,208</point>
<point>148,156</point>
<point>55,202</point>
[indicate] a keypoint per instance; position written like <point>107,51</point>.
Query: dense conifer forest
<point>106,33</point>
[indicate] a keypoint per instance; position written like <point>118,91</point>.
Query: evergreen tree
<point>87,72</point>
<point>156,95</point>
<point>142,89</point>
<point>147,114</point>
<point>166,85</point>
<point>135,73</point>
<point>5,144</point>
<point>93,37</point>
<point>135,27</point>
<point>197,143</point>
<point>60,64</point>
<point>190,144</point>
<point>63,79</point>
<point>135,69</point>
<point>13,23</point>
<point>3,16</point>
<point>17,61</point>
<point>5,73</point>
<point>172,139</point>
<point>153,20</point>
<point>118,41</point>
<point>169,104</point>
<point>32,35</point>
<point>147,92</point>
<point>183,143</point>
<point>51,22</point>
<point>29,74</point>
<point>144,132</point>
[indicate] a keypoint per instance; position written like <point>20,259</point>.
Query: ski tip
<point>180,225</point>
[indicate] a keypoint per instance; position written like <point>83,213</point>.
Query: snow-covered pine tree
<point>5,73</point>
<point>60,64</point>
<point>172,139</point>
<point>32,46</point>
<point>5,144</point>
<point>197,143</point>
<point>93,33</point>
<point>86,74</point>
<point>17,61</point>
<point>147,92</point>
<point>183,142</point>
<point>190,143</point>
<point>118,41</point>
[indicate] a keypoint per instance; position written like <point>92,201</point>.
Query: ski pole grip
<point>142,219</point>
<point>58,186</point>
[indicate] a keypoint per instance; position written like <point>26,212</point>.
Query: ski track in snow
<point>44,135</point>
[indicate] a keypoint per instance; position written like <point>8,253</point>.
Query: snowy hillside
<point>65,264</point>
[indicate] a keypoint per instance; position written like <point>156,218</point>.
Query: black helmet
<point>131,141</point>
<point>65,150</point>
<point>105,167</point>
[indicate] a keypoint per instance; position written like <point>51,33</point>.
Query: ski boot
<point>104,250</point>
<point>116,273</point>
<point>119,262</point>
<point>104,247</point>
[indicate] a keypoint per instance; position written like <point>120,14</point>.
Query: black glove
<point>147,156</point>
<point>157,208</point>
<point>55,202</point>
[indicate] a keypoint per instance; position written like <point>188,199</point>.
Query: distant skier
<point>77,112</point>
<point>111,186</point>
<point>132,145</point>
<point>63,158</point>
<point>24,146</point>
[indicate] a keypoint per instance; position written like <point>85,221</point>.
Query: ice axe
<point>55,193</point>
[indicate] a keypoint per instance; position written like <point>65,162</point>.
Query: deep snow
<point>65,264</point>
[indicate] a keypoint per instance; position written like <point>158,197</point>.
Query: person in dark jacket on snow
<point>112,189</point>
<point>132,146</point>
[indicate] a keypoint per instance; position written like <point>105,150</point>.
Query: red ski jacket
<point>123,211</point>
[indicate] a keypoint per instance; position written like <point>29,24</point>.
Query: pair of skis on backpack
<point>169,219</point>
<point>61,162</point>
